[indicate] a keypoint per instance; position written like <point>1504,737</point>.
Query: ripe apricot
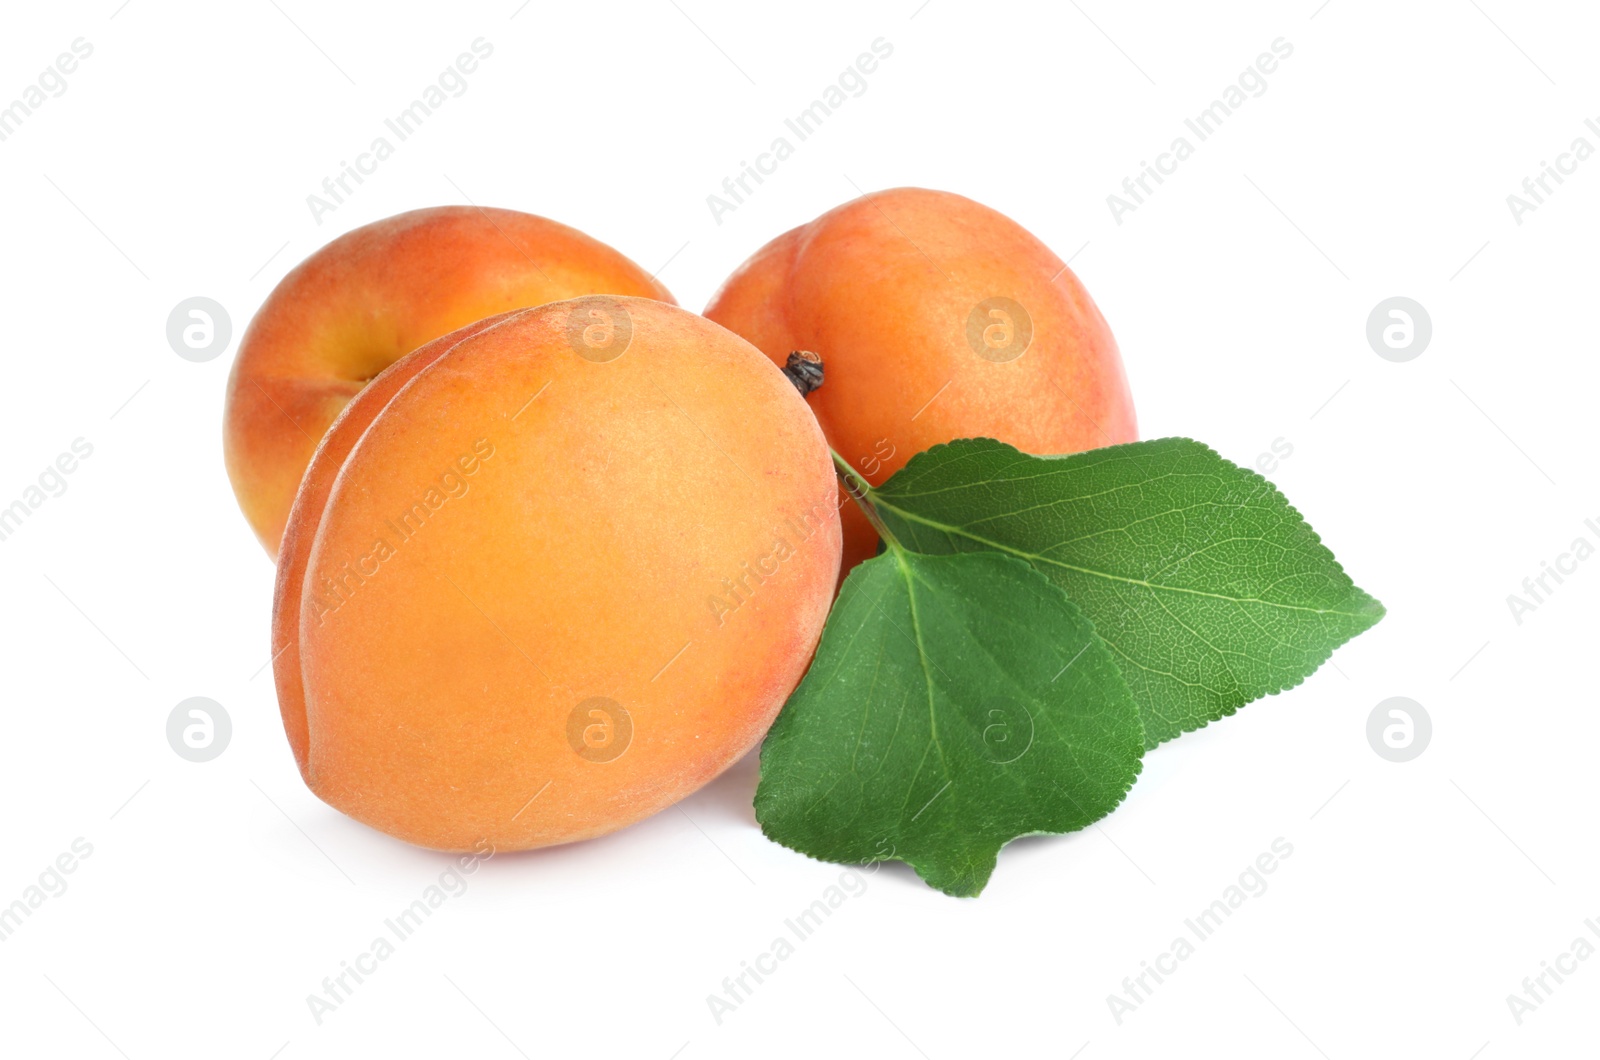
<point>550,574</point>
<point>367,298</point>
<point>937,318</point>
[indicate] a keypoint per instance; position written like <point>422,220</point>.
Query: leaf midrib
<point>876,499</point>
<point>922,659</point>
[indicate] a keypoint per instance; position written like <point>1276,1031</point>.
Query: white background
<point>1377,163</point>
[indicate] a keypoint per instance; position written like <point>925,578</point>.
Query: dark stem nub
<point>804,370</point>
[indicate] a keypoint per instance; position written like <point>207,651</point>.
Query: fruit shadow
<point>731,797</point>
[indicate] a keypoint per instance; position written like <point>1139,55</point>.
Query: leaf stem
<point>860,491</point>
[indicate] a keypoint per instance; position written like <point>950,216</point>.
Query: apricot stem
<point>860,490</point>
<point>804,370</point>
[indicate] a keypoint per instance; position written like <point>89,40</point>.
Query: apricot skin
<point>884,289</point>
<point>369,297</point>
<point>295,551</point>
<point>579,518</point>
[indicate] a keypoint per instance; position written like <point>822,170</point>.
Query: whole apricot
<point>936,318</point>
<point>372,295</point>
<point>552,573</point>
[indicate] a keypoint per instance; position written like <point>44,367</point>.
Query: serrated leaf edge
<point>919,865</point>
<point>1377,611</point>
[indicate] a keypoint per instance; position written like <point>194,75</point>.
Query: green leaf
<point>955,703</point>
<point>1209,588</point>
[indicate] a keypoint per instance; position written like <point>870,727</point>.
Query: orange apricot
<point>936,318</point>
<point>550,574</point>
<point>372,295</point>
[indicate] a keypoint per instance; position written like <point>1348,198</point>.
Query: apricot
<point>551,573</point>
<point>372,295</point>
<point>936,318</point>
